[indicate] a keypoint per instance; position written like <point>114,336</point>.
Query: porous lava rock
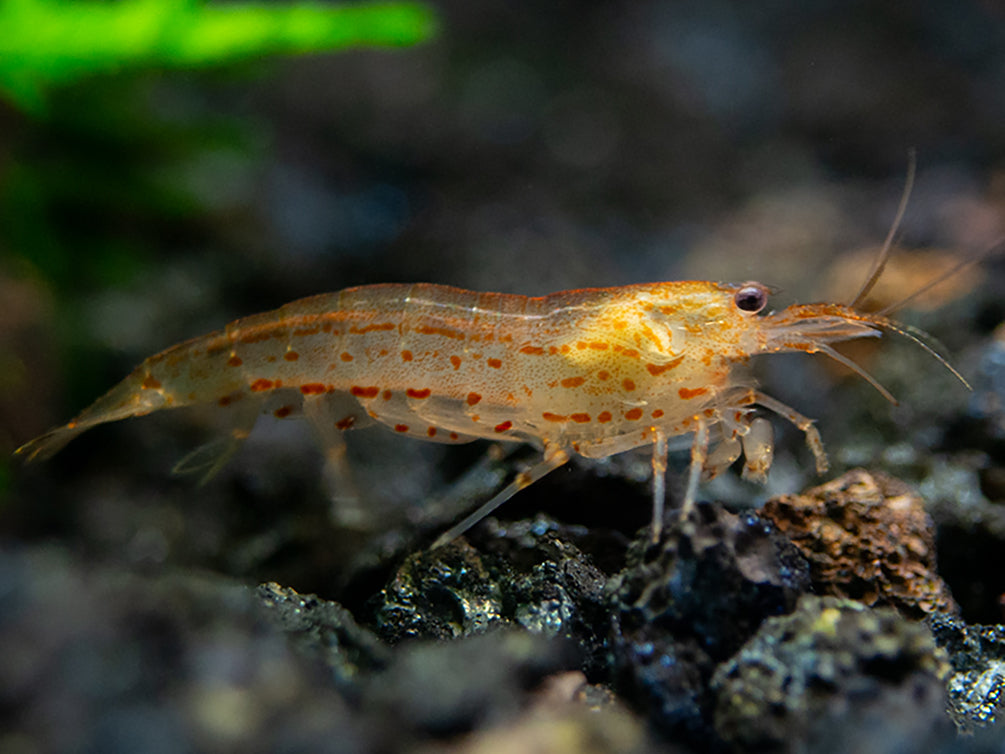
<point>976,685</point>
<point>834,676</point>
<point>688,602</point>
<point>529,573</point>
<point>867,537</point>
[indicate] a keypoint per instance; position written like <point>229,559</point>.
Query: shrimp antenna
<point>994,247</point>
<point>921,338</point>
<point>911,333</point>
<point>879,264</point>
<point>860,371</point>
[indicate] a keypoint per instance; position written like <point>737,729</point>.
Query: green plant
<point>47,43</point>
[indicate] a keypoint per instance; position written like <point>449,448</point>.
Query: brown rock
<point>867,537</point>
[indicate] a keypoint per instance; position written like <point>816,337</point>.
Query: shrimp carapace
<point>592,371</point>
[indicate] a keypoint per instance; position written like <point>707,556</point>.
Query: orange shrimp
<point>592,371</point>
<point>595,371</point>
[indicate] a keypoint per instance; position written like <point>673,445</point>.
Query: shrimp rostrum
<point>591,372</point>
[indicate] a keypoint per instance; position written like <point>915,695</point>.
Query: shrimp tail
<point>128,398</point>
<point>46,446</point>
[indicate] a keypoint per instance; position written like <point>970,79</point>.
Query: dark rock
<point>327,630</point>
<point>444,593</point>
<point>867,537</point>
<point>690,601</point>
<point>529,573</point>
<point>667,677</point>
<point>713,577</point>
<point>834,676</point>
<point>977,681</point>
<point>556,589</point>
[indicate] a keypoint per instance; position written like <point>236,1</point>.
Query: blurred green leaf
<point>50,42</point>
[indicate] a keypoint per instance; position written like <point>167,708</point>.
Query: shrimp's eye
<point>751,298</point>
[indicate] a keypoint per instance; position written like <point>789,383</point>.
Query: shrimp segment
<point>591,371</point>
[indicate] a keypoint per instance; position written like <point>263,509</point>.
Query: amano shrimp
<point>592,372</point>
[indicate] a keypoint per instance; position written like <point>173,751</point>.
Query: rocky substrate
<point>819,624</point>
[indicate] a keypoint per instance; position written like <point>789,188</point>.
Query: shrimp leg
<point>207,460</point>
<point>699,455</point>
<point>801,422</point>
<point>659,482</point>
<point>554,456</point>
<point>346,504</point>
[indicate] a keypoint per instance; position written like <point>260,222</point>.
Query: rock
<point>689,602</point>
<point>444,593</point>
<point>667,678</point>
<point>867,537</point>
<point>556,589</point>
<point>325,629</point>
<point>529,573</point>
<point>977,681</point>
<point>834,676</point>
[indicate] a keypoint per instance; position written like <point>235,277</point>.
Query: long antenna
<point>992,249</point>
<point>879,264</point>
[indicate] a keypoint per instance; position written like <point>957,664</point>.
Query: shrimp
<point>592,372</point>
